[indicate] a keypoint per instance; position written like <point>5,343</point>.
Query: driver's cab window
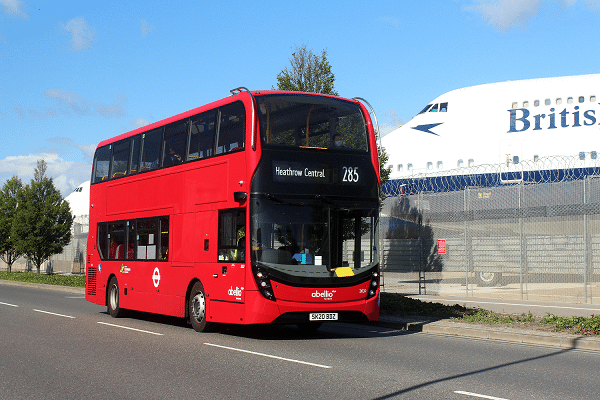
<point>232,235</point>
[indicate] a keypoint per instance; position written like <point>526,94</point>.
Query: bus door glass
<point>230,273</point>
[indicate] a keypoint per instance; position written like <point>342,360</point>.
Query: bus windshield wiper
<point>281,201</point>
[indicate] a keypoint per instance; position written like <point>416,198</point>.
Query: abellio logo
<point>235,292</point>
<point>325,295</point>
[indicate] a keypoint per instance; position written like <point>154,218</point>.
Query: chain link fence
<point>505,231</point>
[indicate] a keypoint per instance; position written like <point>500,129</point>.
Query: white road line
<point>269,356</point>
<point>51,313</point>
<point>7,304</point>
<point>481,396</point>
<point>509,304</point>
<point>131,329</point>
<point>75,297</point>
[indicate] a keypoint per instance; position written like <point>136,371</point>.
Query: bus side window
<point>130,245</point>
<point>175,143</point>
<point>116,240</point>
<point>232,235</point>
<point>202,136</point>
<point>231,127</point>
<point>151,150</point>
<point>102,240</point>
<point>135,154</point>
<point>120,158</point>
<point>101,164</point>
<point>147,239</point>
<point>164,238</point>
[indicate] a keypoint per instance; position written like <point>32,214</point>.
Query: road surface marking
<point>7,304</point>
<point>481,396</point>
<point>51,313</point>
<point>131,329</point>
<point>268,356</point>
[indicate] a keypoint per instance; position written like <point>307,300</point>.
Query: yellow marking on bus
<point>344,271</point>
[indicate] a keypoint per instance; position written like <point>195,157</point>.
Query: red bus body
<point>217,214</point>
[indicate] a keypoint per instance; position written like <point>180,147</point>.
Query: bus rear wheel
<point>112,301</point>
<point>197,308</point>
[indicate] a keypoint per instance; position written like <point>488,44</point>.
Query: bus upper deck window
<point>151,150</point>
<point>102,163</point>
<point>202,136</point>
<point>232,126</point>
<point>175,143</point>
<point>135,154</point>
<point>120,159</point>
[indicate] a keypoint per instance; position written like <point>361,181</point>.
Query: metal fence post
<point>587,259</point>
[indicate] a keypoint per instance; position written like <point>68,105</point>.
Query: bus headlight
<point>263,283</point>
<point>374,285</point>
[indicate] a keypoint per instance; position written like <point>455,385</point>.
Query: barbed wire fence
<point>526,230</point>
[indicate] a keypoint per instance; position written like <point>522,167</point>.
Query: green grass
<point>399,305</point>
<point>47,279</point>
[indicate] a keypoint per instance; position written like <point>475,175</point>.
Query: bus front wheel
<point>197,308</point>
<point>112,301</point>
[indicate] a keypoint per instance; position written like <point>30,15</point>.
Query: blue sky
<point>74,73</point>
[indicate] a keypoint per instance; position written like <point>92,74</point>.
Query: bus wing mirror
<point>240,197</point>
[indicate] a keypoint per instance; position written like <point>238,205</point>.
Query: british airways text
<point>520,120</point>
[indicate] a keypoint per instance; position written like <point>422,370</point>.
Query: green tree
<point>308,72</point>
<point>8,209</point>
<point>42,224</point>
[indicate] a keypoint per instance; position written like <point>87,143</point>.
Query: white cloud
<point>146,27</point>
<point>139,122</point>
<point>505,15</point>
<point>79,105</point>
<point>13,8</point>
<point>82,35</point>
<point>66,175</point>
<point>393,22</point>
<point>390,122</point>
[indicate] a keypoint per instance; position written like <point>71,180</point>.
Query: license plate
<point>323,316</point>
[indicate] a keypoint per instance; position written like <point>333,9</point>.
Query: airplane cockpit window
<point>434,108</point>
<point>425,109</point>
<point>443,107</point>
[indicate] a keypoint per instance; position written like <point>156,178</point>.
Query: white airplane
<point>79,200</point>
<point>515,125</point>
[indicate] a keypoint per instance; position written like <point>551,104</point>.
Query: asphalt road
<point>53,344</point>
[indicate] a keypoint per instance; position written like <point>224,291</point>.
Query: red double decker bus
<point>262,207</point>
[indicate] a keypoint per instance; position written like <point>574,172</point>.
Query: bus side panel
<point>225,312</point>
<point>183,243</point>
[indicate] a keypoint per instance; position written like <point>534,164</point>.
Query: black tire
<point>197,308</point>
<point>112,299</point>
<point>488,278</point>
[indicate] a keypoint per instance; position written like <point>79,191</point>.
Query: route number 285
<point>350,174</point>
